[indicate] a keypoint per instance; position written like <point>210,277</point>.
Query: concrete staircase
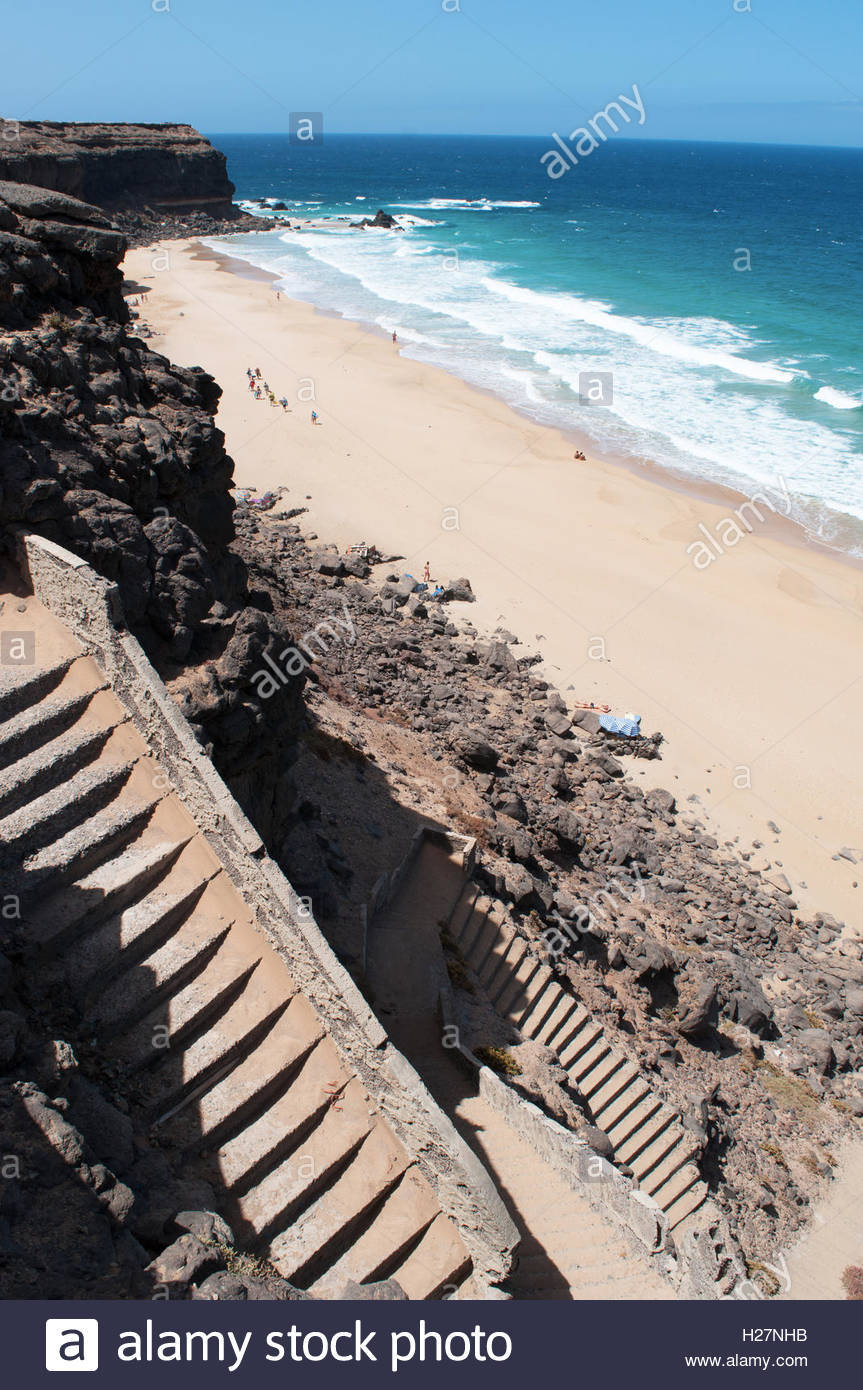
<point>646,1133</point>
<point>568,1250</point>
<point>128,914</point>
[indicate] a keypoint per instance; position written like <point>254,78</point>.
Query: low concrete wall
<point>703,1265</point>
<point>642,1221</point>
<point>90,607</point>
<point>386,887</point>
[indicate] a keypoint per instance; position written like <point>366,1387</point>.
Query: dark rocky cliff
<point>110,450</point>
<point>169,168</point>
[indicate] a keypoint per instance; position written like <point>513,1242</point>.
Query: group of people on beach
<point>261,390</point>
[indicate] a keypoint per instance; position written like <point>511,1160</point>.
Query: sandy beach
<point>735,639</point>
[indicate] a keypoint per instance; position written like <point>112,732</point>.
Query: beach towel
<point>631,728</point>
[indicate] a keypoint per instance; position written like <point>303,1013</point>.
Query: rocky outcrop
<point>170,168</point>
<point>111,451</point>
<point>735,1010</point>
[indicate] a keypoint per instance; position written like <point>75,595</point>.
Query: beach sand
<point>752,666</point>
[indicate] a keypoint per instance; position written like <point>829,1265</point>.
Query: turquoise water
<point>718,285</point>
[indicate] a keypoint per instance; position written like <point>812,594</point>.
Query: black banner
<point>196,1344</point>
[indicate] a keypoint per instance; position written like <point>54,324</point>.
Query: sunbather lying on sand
<point>584,704</point>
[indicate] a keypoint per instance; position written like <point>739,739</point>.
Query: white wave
<point>406,333</point>
<point>651,335</point>
<point>466,204</point>
<point>527,381</point>
<point>840,400</point>
<point>407,220</point>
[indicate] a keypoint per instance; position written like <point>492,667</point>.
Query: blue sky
<point>783,70</point>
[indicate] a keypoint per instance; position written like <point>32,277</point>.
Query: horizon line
<point>514,135</point>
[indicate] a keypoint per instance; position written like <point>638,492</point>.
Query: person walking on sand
<point>427,573</point>
<point>395,336</point>
<point>314,417</point>
<point>283,402</point>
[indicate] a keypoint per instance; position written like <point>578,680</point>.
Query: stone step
<point>541,997</point>
<point>604,1071</point>
<point>603,1098</point>
<point>477,923</point>
<point>660,1123</point>
<point>684,1205</point>
<point>220,1045</point>
<point>584,1039</point>
<point>631,1121</point>
<point>325,1228</point>
<point>437,1265</point>
<point>101,838</point>
<point>657,1182</point>
<point>275,1202</point>
<point>49,766</point>
<point>174,1022</point>
<point>237,1098</point>
<point>557,1019</point>
<point>589,1058</point>
<point>482,944</point>
<point>513,999</point>
<point>147,985</point>
<point>106,890</point>
<point>126,938</point>
<point>630,1095</point>
<point>405,1216</point>
<point>463,911</point>
<point>681,1181</point>
<point>495,961</point>
<point>647,1159</point>
<point>577,1021</point>
<point>262,1144</point>
<point>63,809</point>
<point>33,728</point>
<point>23,687</point>
<point>510,961</point>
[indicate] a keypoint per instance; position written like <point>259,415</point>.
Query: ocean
<point>697,305</point>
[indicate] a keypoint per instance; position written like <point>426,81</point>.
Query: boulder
<point>598,1141</point>
<point>520,887</point>
<point>459,590</point>
<point>697,1013</point>
<point>380,1291</point>
<point>854,1002</point>
<point>817,1045</point>
<point>498,657</point>
<point>660,801</point>
<point>231,1287</point>
<point>208,1226</point>
<point>185,1262</point>
<point>568,829</point>
<point>557,723</point>
<point>476,751</point>
<point>749,1008</point>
